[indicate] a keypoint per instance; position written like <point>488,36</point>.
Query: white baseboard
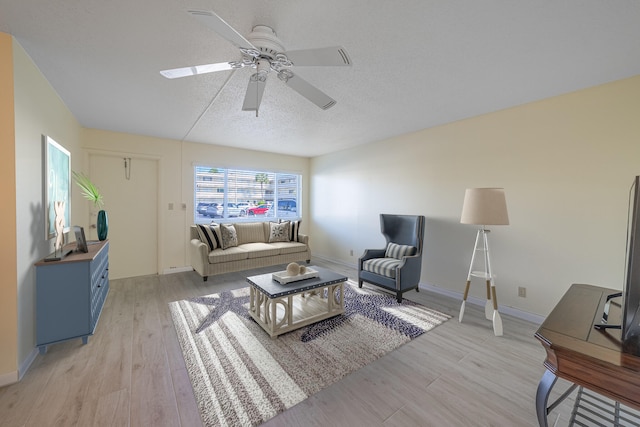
<point>173,270</point>
<point>511,311</point>
<point>15,376</point>
<point>8,378</point>
<point>26,363</point>
<point>335,261</point>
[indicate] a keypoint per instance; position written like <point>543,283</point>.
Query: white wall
<point>566,164</point>
<point>176,162</point>
<point>38,111</point>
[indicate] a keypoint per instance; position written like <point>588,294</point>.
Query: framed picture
<point>57,185</point>
<point>81,241</point>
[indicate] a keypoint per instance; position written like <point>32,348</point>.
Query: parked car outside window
<point>287,207</point>
<point>202,208</point>
<point>232,209</point>
<point>243,208</point>
<point>258,210</point>
<point>214,210</point>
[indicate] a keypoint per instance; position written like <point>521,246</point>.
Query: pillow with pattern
<point>229,236</point>
<point>209,234</point>
<point>279,232</point>
<point>294,228</point>
<point>398,251</point>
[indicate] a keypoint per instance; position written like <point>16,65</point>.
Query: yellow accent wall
<point>8,280</point>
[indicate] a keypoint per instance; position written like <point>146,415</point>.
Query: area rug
<point>242,377</point>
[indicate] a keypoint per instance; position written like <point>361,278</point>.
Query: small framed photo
<point>81,242</point>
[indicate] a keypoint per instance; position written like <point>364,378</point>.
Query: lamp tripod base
<point>491,307</point>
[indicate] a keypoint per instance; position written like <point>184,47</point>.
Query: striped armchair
<point>397,267</point>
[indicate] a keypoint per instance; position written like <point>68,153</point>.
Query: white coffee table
<point>280,308</point>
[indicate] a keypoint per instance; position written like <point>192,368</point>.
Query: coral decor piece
<point>58,207</point>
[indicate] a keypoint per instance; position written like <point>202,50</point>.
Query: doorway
<point>130,190</point>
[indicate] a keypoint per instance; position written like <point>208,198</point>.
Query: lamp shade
<point>484,206</point>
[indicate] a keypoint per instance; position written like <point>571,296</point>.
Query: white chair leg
<point>461,311</point>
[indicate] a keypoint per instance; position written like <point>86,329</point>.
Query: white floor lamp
<point>484,206</point>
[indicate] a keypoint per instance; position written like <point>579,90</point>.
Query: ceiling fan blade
<point>221,27</point>
<point>196,69</point>
<point>253,97</point>
<point>334,55</point>
<point>310,92</point>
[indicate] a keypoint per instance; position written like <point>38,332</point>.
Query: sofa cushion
<point>229,236</point>
<point>289,247</point>
<point>250,232</point>
<point>398,251</point>
<point>231,254</point>
<point>382,266</point>
<point>294,229</point>
<point>279,232</point>
<point>259,250</point>
<point>209,234</point>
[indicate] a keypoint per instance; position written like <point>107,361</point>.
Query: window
<point>235,195</point>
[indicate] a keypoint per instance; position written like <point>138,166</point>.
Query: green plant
<point>89,190</point>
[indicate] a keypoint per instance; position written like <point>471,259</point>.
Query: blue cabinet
<point>70,294</point>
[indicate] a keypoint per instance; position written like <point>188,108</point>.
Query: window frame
<point>231,186</point>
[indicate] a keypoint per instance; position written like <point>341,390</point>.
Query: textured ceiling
<point>416,63</point>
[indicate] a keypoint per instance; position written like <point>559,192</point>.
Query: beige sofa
<point>256,247</point>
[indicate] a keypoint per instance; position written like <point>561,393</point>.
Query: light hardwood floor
<point>131,373</point>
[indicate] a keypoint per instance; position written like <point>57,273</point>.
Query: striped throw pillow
<point>209,234</point>
<point>294,228</point>
<point>398,251</point>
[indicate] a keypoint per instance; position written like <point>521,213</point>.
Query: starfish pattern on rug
<point>224,303</point>
<point>366,304</point>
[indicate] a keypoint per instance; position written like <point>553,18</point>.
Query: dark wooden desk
<point>583,355</point>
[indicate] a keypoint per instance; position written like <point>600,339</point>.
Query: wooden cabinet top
<point>93,247</point>
<point>570,327</point>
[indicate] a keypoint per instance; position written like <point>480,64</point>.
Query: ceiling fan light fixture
<point>285,74</point>
<point>265,39</point>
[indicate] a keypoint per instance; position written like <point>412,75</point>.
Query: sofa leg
<point>204,278</point>
<point>417,289</point>
<point>308,261</point>
<point>359,283</point>
<point>399,297</point>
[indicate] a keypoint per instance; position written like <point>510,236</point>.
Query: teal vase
<point>103,225</point>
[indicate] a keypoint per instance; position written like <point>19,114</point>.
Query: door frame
<point>88,152</point>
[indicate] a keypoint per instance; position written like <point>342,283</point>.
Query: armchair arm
<point>409,270</point>
<point>199,252</point>
<point>303,238</point>
<point>370,254</point>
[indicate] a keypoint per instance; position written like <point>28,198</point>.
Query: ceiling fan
<point>263,51</point>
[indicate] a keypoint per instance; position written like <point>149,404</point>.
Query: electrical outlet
<point>522,292</point>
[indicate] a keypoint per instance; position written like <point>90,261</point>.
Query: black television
<point>631,301</point>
